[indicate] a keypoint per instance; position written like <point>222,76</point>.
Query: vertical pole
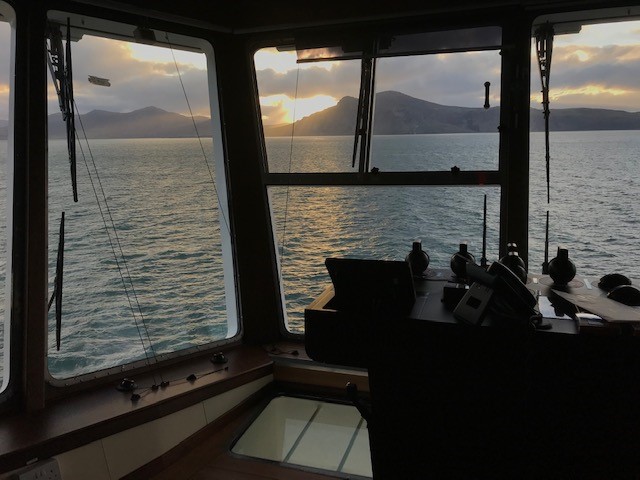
<point>30,210</point>
<point>514,138</point>
<point>253,241</point>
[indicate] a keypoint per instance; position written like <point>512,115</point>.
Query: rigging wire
<point>286,201</point>
<point>60,66</point>
<point>195,126</point>
<point>113,248</point>
<point>122,266</point>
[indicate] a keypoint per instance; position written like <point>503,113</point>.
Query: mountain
<point>578,119</point>
<point>397,113</point>
<point>149,122</point>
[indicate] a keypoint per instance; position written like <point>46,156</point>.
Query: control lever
<point>352,394</point>
<point>486,94</point>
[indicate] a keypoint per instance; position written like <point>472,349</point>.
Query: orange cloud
<point>591,95</point>
<point>588,90</point>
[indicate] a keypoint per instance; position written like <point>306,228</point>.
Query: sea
<point>143,269</point>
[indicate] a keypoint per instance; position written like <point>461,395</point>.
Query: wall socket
<point>43,470</point>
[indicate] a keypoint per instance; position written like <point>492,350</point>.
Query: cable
<point>286,201</point>
<point>113,249</point>
<point>195,127</point>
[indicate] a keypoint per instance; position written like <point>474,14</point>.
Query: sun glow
<point>587,90</point>
<point>579,96</point>
<point>283,62</point>
<point>288,110</point>
<point>582,55</point>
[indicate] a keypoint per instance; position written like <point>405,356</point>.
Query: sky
<point>598,67</point>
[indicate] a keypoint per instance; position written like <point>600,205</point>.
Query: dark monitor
<point>366,286</point>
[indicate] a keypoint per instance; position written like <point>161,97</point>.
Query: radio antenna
<point>544,48</point>
<point>545,264</point>
<point>483,260</point>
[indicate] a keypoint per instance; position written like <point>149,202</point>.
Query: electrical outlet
<point>44,470</point>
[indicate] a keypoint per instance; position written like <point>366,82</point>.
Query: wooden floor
<point>207,456</point>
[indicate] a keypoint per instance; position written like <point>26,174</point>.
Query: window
<point>313,223</point>
<point>308,101</point>
<point>147,270</point>
<point>6,157</point>
<point>594,122</point>
<point>405,150</point>
<point>432,111</point>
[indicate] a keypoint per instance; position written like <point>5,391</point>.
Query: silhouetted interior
<point>465,376</point>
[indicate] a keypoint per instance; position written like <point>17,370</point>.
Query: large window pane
<point>313,223</point>
<point>414,152</point>
<point>594,144</point>
<point>437,94</point>
<point>144,265</point>
<point>429,114</point>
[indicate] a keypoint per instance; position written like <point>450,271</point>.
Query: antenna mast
<point>544,49</point>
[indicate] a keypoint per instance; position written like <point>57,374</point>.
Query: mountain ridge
<point>395,114</point>
<point>147,122</point>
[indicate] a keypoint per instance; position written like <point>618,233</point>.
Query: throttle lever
<point>486,94</point>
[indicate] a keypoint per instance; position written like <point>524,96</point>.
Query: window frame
<point>120,28</point>
<point>569,22</point>
<point>502,177</point>
<point>10,352</point>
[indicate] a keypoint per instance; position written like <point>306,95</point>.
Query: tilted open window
<point>140,266</point>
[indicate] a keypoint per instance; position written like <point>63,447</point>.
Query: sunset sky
<point>598,67</point>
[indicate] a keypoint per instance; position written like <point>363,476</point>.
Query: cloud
<point>451,79</point>
<point>598,67</point>
<point>337,82</point>
<point>603,77</point>
<point>135,83</point>
<point>275,113</point>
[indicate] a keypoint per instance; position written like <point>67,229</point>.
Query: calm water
<point>164,208</point>
<point>162,202</point>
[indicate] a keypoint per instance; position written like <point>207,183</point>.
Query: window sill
<point>77,420</point>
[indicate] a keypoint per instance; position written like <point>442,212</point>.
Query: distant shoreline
<point>339,136</point>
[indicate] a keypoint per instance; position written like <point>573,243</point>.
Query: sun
<point>289,110</point>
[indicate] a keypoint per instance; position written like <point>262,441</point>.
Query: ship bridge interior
<point>175,175</point>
